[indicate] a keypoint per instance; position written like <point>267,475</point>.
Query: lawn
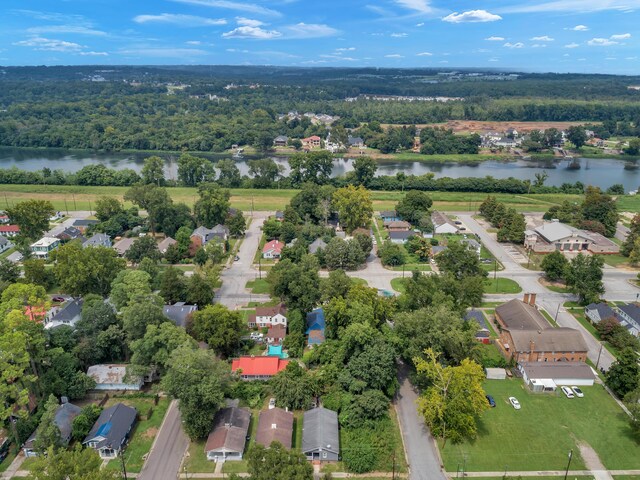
<point>359,281</point>
<point>235,466</point>
<point>258,286</point>
<point>144,432</point>
<point>196,460</point>
<point>8,459</point>
<point>539,436</point>
<point>398,284</point>
<point>616,260</point>
<point>75,197</point>
<point>501,285</point>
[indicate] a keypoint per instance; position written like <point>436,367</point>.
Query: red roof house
<point>9,230</point>
<point>312,141</point>
<point>258,368</point>
<point>272,249</point>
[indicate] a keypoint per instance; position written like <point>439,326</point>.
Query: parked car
<point>236,258</point>
<point>514,403</point>
<point>492,402</point>
<point>568,392</point>
<point>457,222</point>
<point>272,403</point>
<point>578,393</point>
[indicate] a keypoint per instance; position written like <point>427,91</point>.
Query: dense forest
<point>212,108</point>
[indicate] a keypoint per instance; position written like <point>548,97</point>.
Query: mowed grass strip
<point>540,435</point>
<point>73,197</point>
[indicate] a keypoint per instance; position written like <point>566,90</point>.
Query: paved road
<point>168,450</point>
<point>622,232</point>
<point>422,455</point>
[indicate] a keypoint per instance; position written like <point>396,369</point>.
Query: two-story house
<point>269,317</point>
<point>44,246</point>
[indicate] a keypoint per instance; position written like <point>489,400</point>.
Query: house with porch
<point>98,240</point>
<point>258,368</point>
<point>320,435</point>
<point>227,440</point>
<point>267,317</point>
<point>43,247</point>
<point>275,425</point>
<point>63,418</point>
<point>272,250</point>
<point>111,431</point>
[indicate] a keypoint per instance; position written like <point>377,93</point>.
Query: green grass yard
<point>398,284</point>
<point>538,436</point>
<point>8,459</point>
<point>258,286</point>
<point>501,285</point>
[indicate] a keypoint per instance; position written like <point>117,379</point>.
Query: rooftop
<point>550,340</point>
<point>275,425</point>
<point>259,366</point>
<point>557,370</point>
<point>45,242</point>
<point>320,430</point>
<point>517,315</point>
<point>112,426</point>
<point>111,374</point>
<point>230,427</point>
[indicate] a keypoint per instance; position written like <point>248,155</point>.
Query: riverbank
<point>70,197</point>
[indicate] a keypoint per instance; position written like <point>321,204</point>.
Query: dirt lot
<point>472,126</point>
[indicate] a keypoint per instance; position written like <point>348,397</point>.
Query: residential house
<point>280,141</point>
<point>629,316</point>
<point>482,330</point>
<point>275,425</point>
<point>5,441</point>
<point>526,336</point>
<point>5,244</point>
<point>554,235</point>
<point>227,440</point>
<point>545,377</point>
<point>389,216</point>
<point>276,334</point>
<point>164,245</point>
<point>4,219</point>
<point>316,325</point>
<point>111,431</point>
<point>69,233</point>
<point>112,377</point>
<point>272,249</point>
<point>44,246</point>
<point>311,142</point>
<point>472,245</point>
<point>505,142</point>
<point>355,141</point>
<point>9,230</point>
<point>123,245</point>
<point>320,435</point>
<point>203,235</point>
<point>83,223</point>
<point>269,317</point>
<point>317,244</point>
<point>65,413</point>
<point>258,368</point>
<point>69,314</point>
<point>442,223</point>
<point>596,312</point>
<point>179,313</point>
<point>279,216</point>
<point>14,257</point>
<point>398,226</point>
<point>400,236</point>
<point>98,240</point>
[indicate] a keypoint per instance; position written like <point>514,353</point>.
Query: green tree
<point>293,387</point>
<point>173,285</point>
<point>634,234</point>
<point>212,207</point>
<point>335,286</point>
<point>153,171</point>
<point>157,345</point>
<point>32,216</point>
<point>277,463</point>
<point>364,169</point>
<point>584,276</point>
<point>108,208</point>
<point>199,381</point>
<point>555,265</point>
<point>199,290</point>
<point>229,173</point>
<point>343,254</point>
<point>461,262</point>
<point>127,285</point>
<point>62,375</point>
<point>81,271</point>
<point>354,206</point>
<point>370,406</point>
<point>454,400</point>
<point>633,148</point>
<point>577,135</point>
<point>83,423</point>
<point>140,313</point>
<point>264,172</point>
<point>600,207</point>
<point>237,224</point>
<point>311,167</point>
<point>634,255</point>
<point>35,272</point>
<point>624,375</point>
<point>9,271</point>
<point>143,247</point>
<point>391,254</point>
<point>298,285</point>
<point>76,464</point>
<point>220,327</point>
<point>194,170</point>
<point>414,206</point>
<point>48,435</point>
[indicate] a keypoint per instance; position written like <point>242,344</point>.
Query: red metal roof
<point>9,228</point>
<point>259,366</point>
<point>276,245</point>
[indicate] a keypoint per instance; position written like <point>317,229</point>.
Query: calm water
<point>600,172</point>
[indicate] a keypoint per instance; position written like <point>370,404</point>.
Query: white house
<point>112,377</point>
<point>272,249</point>
<point>269,317</point>
<point>5,244</point>
<point>442,224</point>
<point>44,246</point>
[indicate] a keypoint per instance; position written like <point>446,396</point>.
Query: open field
<point>501,285</point>
<point>539,436</point>
<point>474,126</point>
<point>68,197</point>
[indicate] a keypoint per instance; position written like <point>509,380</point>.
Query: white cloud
<point>239,6</point>
<point>424,54</point>
<point>621,36</point>
<point>394,55</point>
<point>472,16</point>
<point>580,28</point>
<point>74,29</point>
<point>163,52</point>
<point>93,54</point>
<point>345,49</point>
<point>310,30</point>
<point>573,6</point>
<point>514,45</point>
<point>543,38</point>
<point>399,35</point>
<point>571,45</point>
<point>193,42</point>
<point>421,24</point>
<point>630,58</point>
<point>610,58</point>
<point>249,22</point>
<point>538,45</point>
<point>252,32</point>
<point>339,57</point>
<point>601,42</point>
<point>494,39</point>
<point>566,55</point>
<point>50,45</point>
<point>494,59</point>
<point>179,19</point>
<point>421,6</point>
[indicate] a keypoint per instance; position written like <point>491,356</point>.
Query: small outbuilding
<point>558,373</point>
<point>495,373</point>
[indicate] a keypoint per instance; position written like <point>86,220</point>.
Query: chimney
<point>532,347</point>
<point>532,299</point>
<point>526,298</point>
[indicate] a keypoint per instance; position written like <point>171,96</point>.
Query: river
<point>600,172</point>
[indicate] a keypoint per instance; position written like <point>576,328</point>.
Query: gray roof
<point>478,317</point>
<point>97,240</point>
<point>281,138</point>
<point>3,241</point>
<point>179,312</point>
<point>230,428</point>
<point>69,232</point>
<point>14,257</point>
<point>84,222</point>
<point>316,245</point>
<point>632,310</point>
<point>320,430</point>
<point>220,229</point>
<point>401,235</point>
<point>64,416</point>
<point>388,214</point>
<point>604,310</point>
<point>517,315</point>
<point>558,370</point>
<point>554,231</point>
<point>113,426</point>
<point>354,140</point>
<point>471,243</point>
<point>165,244</point>
<point>279,214</point>
<point>549,340</point>
<point>439,218</point>
<point>122,245</point>
<point>69,311</point>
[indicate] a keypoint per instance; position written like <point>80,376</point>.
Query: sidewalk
<point>14,468</point>
<point>552,473</point>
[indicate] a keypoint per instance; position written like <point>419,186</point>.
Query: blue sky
<point>599,36</point>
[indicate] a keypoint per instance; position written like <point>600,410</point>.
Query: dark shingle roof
<point>604,310</point>
<point>517,315</point>
<point>179,313</point>
<point>113,424</point>
<point>70,311</point>
<point>549,340</point>
<point>320,430</point>
<point>275,425</point>
<point>477,316</point>
<point>230,428</point>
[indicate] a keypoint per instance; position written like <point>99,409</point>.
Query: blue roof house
<point>315,327</point>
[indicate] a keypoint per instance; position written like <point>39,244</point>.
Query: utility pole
<point>568,464</point>
<point>74,202</point>
<point>124,468</point>
<point>260,267</point>
<point>555,319</point>
<point>66,207</point>
<point>599,352</point>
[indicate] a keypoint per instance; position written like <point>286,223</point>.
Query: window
<point>324,454</point>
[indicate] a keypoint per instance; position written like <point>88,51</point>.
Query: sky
<point>584,36</point>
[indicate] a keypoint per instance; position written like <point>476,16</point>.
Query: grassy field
<point>398,284</point>
<point>501,285</point>
<point>359,281</point>
<point>8,459</point>
<point>71,197</point>
<point>258,286</point>
<point>539,436</point>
